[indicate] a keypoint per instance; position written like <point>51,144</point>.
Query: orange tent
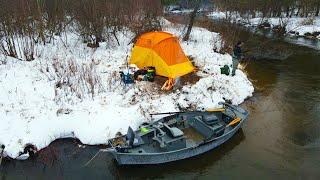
<point>163,51</point>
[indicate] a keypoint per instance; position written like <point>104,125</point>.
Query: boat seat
<point>168,143</point>
<point>210,119</point>
<point>174,131</point>
<point>137,140</point>
<point>218,130</point>
<point>133,139</point>
<point>207,131</point>
<point>199,125</point>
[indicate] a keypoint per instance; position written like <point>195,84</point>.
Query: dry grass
<point>74,80</point>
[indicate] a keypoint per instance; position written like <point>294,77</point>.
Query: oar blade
<point>235,121</point>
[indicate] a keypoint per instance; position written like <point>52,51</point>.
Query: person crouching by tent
<point>236,57</point>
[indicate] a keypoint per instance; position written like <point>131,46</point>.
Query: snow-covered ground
<point>180,10</point>
<point>71,90</point>
<point>297,25</point>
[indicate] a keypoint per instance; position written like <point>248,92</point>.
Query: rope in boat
<point>91,159</point>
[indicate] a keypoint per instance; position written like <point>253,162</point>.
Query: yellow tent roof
<point>163,51</point>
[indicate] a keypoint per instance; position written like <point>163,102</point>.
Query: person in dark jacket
<point>1,152</point>
<point>236,57</point>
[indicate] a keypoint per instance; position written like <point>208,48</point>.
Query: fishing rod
<point>180,112</point>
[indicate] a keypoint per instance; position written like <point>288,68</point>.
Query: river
<point>281,139</point>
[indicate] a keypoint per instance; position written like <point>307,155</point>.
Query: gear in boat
<point>177,136</point>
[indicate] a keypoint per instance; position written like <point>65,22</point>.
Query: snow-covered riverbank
<point>297,26</point>
<point>71,90</point>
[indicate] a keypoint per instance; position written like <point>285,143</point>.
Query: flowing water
<point>281,139</point>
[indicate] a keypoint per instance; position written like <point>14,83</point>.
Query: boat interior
<point>174,132</point>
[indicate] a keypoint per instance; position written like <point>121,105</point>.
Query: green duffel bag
<point>225,70</point>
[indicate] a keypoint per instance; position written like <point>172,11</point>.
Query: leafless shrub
<point>20,28</point>
<point>28,48</point>
<point>308,21</point>
<point>282,26</point>
<point>75,81</point>
<point>8,47</point>
<point>3,60</point>
<point>113,80</point>
<point>271,8</point>
<point>229,35</point>
<point>36,22</point>
<point>91,19</point>
<point>22,48</point>
<point>143,16</point>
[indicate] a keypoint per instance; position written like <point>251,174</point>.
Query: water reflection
<point>285,118</point>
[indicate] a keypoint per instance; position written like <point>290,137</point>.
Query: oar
<point>180,112</point>
<point>235,121</point>
<point>216,110</point>
<point>166,113</point>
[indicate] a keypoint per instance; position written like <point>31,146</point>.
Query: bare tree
<point>196,4</point>
<point>271,8</point>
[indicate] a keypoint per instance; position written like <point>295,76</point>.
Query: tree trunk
<point>292,12</point>
<point>288,12</point>
<point>114,33</point>
<point>254,14</point>
<point>318,10</point>
<point>298,11</point>
<point>191,21</point>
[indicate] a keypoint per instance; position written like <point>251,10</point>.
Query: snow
<point>217,15</point>
<point>71,90</point>
<point>179,10</point>
<point>295,24</point>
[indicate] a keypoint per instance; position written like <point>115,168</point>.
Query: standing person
<point>1,152</point>
<point>236,57</point>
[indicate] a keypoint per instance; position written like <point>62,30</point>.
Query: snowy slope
<point>52,97</point>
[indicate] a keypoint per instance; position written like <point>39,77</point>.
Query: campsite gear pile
<point>162,51</point>
<point>135,74</point>
<point>126,77</point>
<point>145,74</point>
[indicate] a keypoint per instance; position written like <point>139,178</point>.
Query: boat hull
<point>160,158</point>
